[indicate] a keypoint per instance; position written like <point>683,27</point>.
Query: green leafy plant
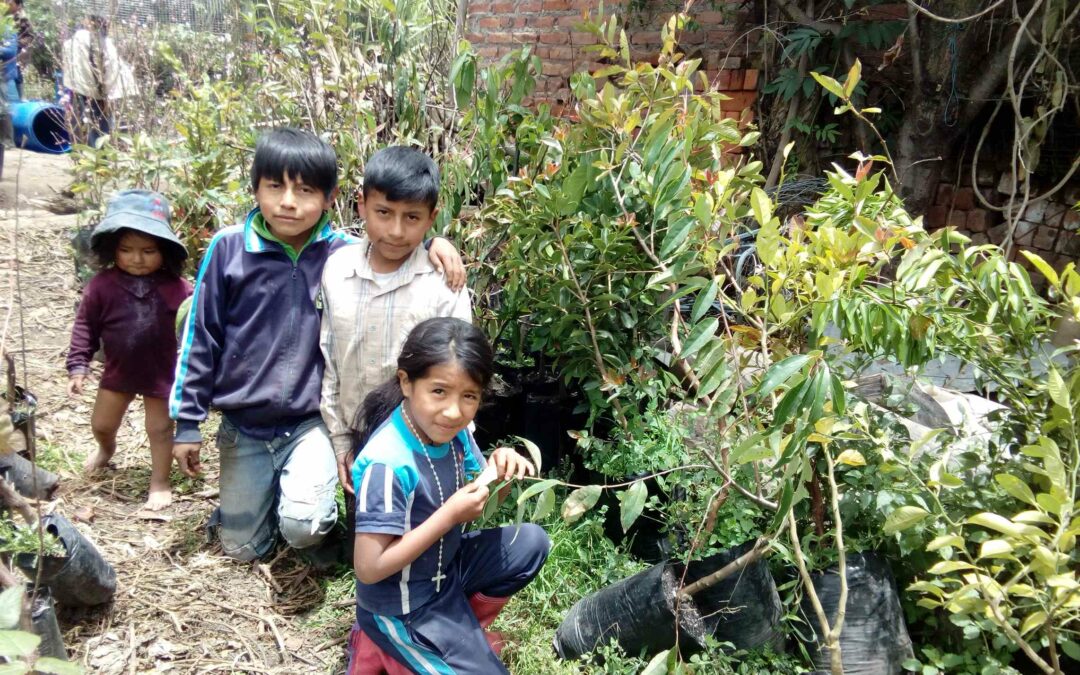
<point>18,647</point>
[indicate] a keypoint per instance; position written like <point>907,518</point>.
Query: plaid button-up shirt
<point>366,318</point>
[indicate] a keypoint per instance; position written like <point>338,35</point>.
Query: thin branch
<point>944,19</point>
<point>733,567</point>
<point>796,13</point>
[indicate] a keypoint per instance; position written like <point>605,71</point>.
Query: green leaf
<point>851,458</point>
<point>1044,267</point>
<point>839,395</point>
<point>903,518</point>
<point>852,80</point>
<point>830,85</point>
<point>1058,391</point>
<point>545,503</point>
<point>16,643</point>
<point>954,540</point>
<point>700,334</point>
<point>534,453</point>
<point>48,664</point>
<point>1033,621</point>
<point>780,372</point>
<point>536,488</point>
<point>1016,487</point>
<point>657,665</point>
<point>11,606</point>
<point>1071,649</point>
<point>17,668</point>
<point>580,501</point>
<point>949,566</point>
<point>704,301</point>
<point>995,548</point>
<point>993,521</point>
<point>761,206</point>
<point>632,503</point>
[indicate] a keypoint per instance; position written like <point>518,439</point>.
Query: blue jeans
<point>284,485</point>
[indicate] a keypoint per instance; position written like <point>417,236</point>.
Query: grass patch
<point>53,457</point>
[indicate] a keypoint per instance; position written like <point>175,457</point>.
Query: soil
<point>180,605</point>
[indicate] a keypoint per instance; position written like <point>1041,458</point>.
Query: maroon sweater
<point>134,319</point>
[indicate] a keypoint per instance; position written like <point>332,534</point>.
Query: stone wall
<point>552,28</point>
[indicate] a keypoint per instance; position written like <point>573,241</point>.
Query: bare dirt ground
<point>180,605</point>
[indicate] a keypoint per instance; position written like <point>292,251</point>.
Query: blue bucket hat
<point>140,210</point>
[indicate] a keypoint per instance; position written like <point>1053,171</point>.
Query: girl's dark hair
<point>431,343</point>
<point>104,248</point>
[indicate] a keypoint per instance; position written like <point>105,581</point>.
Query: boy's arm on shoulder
<point>330,397</point>
<point>200,349</point>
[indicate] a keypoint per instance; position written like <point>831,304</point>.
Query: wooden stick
<point>734,567</point>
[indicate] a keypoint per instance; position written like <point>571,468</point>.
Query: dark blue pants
<point>443,636</point>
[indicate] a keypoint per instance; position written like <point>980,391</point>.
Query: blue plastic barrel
<point>40,126</point>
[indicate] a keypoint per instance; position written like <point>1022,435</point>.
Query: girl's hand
<point>467,504</point>
<point>510,464</point>
<point>446,259</point>
<point>75,384</point>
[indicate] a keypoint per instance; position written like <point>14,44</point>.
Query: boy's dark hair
<point>104,248</point>
<point>430,343</point>
<point>296,154</point>
<point>403,174</point>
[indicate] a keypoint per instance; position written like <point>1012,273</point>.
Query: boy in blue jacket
<point>251,349</point>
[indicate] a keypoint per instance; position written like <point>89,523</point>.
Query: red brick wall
<point>1048,228</point>
<point>552,28</point>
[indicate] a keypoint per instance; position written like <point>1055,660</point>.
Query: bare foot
<point>158,499</point>
<point>97,462</point>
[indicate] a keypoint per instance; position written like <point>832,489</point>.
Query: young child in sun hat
<point>129,308</point>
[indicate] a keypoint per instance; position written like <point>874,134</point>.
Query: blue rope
<point>952,104</point>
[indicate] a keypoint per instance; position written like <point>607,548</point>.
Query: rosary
<point>439,576</point>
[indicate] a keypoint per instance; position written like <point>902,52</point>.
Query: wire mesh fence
<point>214,16</point>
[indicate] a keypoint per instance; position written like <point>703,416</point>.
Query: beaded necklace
<point>439,576</point>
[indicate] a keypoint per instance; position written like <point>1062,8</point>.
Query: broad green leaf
<point>16,643</point>
<point>1016,487</point>
<point>949,566</point>
<point>1033,621</point>
<point>944,540</point>
<point>1071,649</point>
<point>851,458</point>
<point>1044,267</point>
<point>761,206</point>
<point>995,548</point>
<point>903,518</point>
<point>699,336</point>
<point>17,668</point>
<point>781,372</point>
<point>1033,517</point>
<point>704,301</point>
<point>534,453</point>
<point>544,505</point>
<point>48,664</point>
<point>1059,393</point>
<point>631,503</point>
<point>993,521</point>
<point>657,665</point>
<point>536,488</point>
<point>853,77</point>
<point>11,606</point>
<point>768,243</point>
<point>830,85</point>
<point>580,501</point>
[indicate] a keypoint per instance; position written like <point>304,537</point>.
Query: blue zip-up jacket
<point>251,342</point>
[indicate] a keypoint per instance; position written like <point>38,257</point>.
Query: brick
<point>945,193</point>
<point>487,52</point>
<point>732,62</point>
<point>1044,238</point>
<point>1071,220</point>
<point>935,216</point>
<point>493,22</point>
<point>541,21</point>
<point>501,8</point>
<point>645,37</point>
<point>1005,184</point>
<point>581,38</point>
<point>738,100</point>
<point>475,38</point>
<point>1070,248</point>
<point>750,79</point>
<point>957,219</point>
<point>565,53</point>
<point>519,22</point>
<point>1035,213</point>
<point>558,69</point>
<point>997,233</point>
<point>964,199</point>
<point>555,5</point>
<point>980,238</point>
<point>696,37</point>
<point>979,220</point>
<point>1024,233</point>
<point>528,7</point>
<point>554,38</point>
<point>1054,212</point>
<point>735,79</point>
<point>985,175</point>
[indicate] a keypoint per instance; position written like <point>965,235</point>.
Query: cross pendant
<point>438,581</point>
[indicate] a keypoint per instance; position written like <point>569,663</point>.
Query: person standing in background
<point>97,76</point>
